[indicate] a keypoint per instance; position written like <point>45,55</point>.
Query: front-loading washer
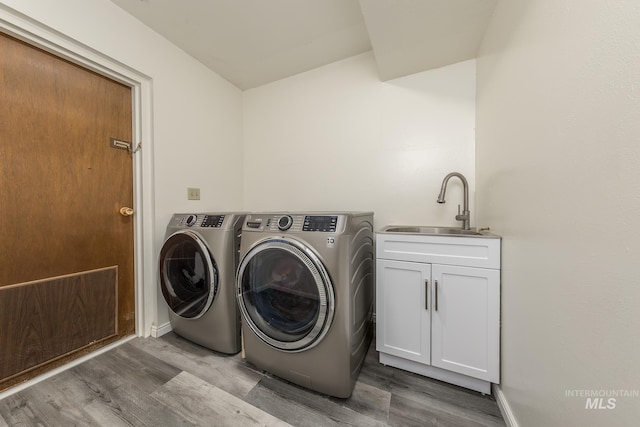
<point>197,266</point>
<point>305,292</point>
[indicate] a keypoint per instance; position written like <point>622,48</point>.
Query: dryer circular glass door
<point>285,294</point>
<point>188,275</point>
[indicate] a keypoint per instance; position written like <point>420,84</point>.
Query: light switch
<point>193,193</point>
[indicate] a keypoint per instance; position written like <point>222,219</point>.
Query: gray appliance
<point>305,288</point>
<point>198,261</point>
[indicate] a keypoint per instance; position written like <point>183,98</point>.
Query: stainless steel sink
<point>422,229</point>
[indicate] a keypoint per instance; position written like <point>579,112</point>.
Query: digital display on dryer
<point>326,223</point>
<point>213,221</point>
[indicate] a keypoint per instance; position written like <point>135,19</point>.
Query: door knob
<point>125,211</point>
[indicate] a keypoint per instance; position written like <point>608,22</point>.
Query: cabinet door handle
<point>436,295</point>
<point>426,294</point>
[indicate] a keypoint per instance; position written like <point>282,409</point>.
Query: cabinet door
<point>466,324</point>
<point>403,321</point>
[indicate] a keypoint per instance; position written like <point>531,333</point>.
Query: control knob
<point>191,219</point>
<point>285,222</point>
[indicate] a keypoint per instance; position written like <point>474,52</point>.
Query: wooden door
<point>66,253</point>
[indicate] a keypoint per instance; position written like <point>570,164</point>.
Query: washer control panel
<point>293,222</point>
<point>325,223</point>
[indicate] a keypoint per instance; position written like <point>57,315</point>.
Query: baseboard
<point>158,331</point>
<point>505,409</point>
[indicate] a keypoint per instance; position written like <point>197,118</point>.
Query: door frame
<point>41,36</point>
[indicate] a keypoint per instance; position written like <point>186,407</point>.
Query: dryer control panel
<point>201,220</point>
<point>212,221</point>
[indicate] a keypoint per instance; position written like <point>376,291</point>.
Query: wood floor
<point>172,382</point>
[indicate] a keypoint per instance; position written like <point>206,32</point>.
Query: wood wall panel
<point>48,319</point>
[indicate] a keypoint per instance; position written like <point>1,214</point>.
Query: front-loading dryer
<point>197,266</point>
<point>305,292</point>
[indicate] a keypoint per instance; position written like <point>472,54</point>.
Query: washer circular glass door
<point>285,294</point>
<point>188,275</point>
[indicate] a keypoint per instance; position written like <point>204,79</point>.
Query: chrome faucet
<point>466,215</point>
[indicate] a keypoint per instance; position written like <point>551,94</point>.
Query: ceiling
<point>254,42</point>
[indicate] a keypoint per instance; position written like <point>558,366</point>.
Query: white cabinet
<point>465,331</point>
<point>403,323</point>
<point>438,307</point>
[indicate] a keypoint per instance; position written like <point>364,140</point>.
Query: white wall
<point>336,138</point>
<point>197,123</point>
<point>558,175</point>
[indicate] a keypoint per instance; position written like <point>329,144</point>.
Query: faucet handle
<point>462,216</point>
